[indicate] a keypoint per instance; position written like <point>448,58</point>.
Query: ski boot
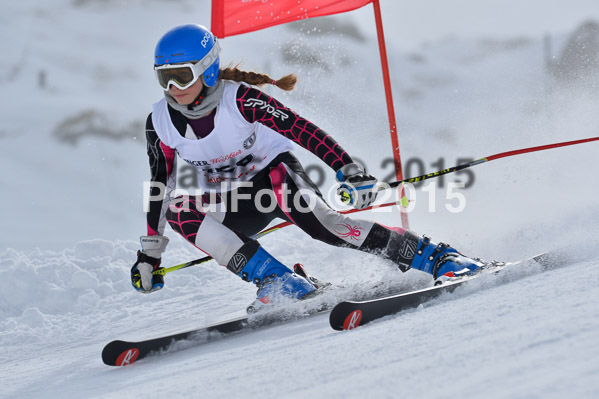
<point>443,262</point>
<point>273,279</point>
<point>298,269</point>
<point>272,289</point>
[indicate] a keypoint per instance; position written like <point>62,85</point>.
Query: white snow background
<point>470,79</point>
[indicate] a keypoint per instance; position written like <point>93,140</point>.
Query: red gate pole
<point>390,109</point>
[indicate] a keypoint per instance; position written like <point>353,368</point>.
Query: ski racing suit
<point>249,177</point>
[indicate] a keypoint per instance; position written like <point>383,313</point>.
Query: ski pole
<point>208,258</point>
<point>183,265</point>
<point>404,200</point>
<point>260,234</point>
<point>479,161</point>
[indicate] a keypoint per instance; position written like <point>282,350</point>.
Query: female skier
<point>240,141</point>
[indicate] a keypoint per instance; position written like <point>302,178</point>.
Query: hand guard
<point>148,261</point>
<point>356,186</point>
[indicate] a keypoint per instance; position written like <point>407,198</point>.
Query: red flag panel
<point>234,17</point>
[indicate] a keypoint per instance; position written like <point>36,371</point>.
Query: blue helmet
<point>190,43</point>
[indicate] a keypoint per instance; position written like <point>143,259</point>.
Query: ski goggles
<point>183,75</point>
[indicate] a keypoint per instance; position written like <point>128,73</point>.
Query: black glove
<point>356,186</point>
<point>143,278</point>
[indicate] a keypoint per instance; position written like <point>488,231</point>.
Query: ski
<point>351,314</point>
<point>344,316</point>
<point>122,353</point>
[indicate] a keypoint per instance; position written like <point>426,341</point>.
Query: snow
<point>469,81</point>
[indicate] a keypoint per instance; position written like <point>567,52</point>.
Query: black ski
<point>345,315</point>
<point>351,314</point>
<point>122,353</point>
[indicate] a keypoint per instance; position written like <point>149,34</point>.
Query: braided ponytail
<point>287,82</point>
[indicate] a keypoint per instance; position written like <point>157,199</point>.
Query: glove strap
<point>144,258</point>
<point>348,170</point>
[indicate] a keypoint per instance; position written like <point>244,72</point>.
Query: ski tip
<point>113,356</point>
<point>352,320</point>
<point>345,316</point>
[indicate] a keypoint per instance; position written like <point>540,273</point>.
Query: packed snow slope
<point>78,85</point>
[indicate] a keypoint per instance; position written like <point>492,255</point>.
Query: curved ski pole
<point>416,179</point>
<point>264,232</point>
<point>404,201</point>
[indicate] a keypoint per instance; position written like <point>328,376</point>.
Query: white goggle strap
<point>209,58</point>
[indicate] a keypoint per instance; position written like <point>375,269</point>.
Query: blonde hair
<point>286,83</point>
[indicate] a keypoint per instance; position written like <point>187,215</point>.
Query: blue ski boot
<point>273,279</point>
<point>442,261</point>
